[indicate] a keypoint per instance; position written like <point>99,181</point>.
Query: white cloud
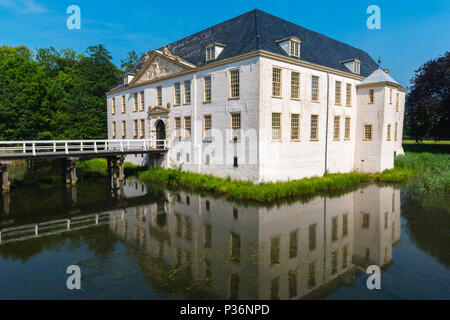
<point>23,6</point>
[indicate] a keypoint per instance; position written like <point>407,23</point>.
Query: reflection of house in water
<point>285,252</point>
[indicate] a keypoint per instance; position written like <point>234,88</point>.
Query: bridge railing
<point>68,146</point>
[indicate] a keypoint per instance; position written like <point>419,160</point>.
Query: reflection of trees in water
<point>428,217</point>
<point>99,240</point>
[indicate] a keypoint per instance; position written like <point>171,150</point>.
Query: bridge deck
<point>34,150</point>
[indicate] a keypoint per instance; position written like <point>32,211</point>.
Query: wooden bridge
<point>71,151</point>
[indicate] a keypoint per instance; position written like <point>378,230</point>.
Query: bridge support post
<point>6,184</point>
<point>6,203</point>
<point>121,168</point>
<point>71,171</point>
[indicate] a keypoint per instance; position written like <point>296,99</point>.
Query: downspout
<point>194,140</point>
<point>326,130</point>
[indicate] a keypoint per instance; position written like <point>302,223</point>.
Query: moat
<point>138,241</point>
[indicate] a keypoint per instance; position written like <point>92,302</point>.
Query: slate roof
<point>378,76</point>
<point>258,30</point>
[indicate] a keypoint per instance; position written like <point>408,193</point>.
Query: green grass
<point>431,173</point>
<point>267,191</point>
<point>433,169</point>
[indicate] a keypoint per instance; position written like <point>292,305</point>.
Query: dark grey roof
<point>258,30</point>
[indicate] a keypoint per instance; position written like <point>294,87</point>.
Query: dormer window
<point>354,65</point>
<point>213,50</point>
<point>210,53</point>
<point>295,49</point>
<point>291,46</point>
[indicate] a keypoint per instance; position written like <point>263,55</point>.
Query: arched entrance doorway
<point>160,134</point>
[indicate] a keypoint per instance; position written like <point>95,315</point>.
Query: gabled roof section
<point>378,76</point>
<point>258,30</point>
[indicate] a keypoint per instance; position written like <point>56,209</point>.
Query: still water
<point>136,241</point>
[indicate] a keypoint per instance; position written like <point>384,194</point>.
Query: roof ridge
<point>321,34</point>
<point>256,29</point>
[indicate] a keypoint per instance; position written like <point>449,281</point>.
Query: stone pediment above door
<point>161,64</point>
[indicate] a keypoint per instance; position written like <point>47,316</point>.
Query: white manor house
<point>260,98</point>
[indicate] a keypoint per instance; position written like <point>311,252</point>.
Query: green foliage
<point>267,191</point>
<point>129,62</point>
<point>434,170</point>
<point>54,94</point>
<point>428,101</point>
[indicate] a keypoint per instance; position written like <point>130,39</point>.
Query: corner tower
<point>379,122</point>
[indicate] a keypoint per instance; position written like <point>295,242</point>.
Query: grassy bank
<point>433,169</point>
<point>267,191</point>
<point>426,146</point>
<point>432,173</point>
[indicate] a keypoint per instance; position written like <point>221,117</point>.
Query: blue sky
<point>412,32</point>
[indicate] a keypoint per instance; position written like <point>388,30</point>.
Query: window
<point>234,84</point>
<point>312,236</point>
<point>276,126</point>
<point>396,131</point>
<point>159,96</point>
<point>371,96</point>
<point>337,128</point>
<point>207,128</point>
<point>124,129</point>
<point>334,261</point>
<point>113,129</point>
<point>142,128</point>
<point>315,88</point>
<point>207,236</point>
<point>274,250</point>
<point>187,127</point>
<point>177,94</point>
<point>295,49</point>
<point>311,275</point>
<point>388,132</point>
<point>292,276</point>
<point>210,53</point>
<point>390,96</point>
<point>393,202</point>
<point>357,67</point>
<point>187,92</point>
<point>236,126</point>
<point>235,247</point>
<point>345,224</point>
<point>348,98</point>
<point>135,102</point>
<point>142,101</point>
<point>347,128</point>
<point>334,228</point>
<point>295,126</point>
<point>233,291</point>
<point>235,162</point>
<point>367,132</point>
<point>275,289</point>
<point>293,244</point>
<point>135,129</point>
<point>314,127</point>
<point>397,102</point>
<point>338,93</point>
<point>113,106</point>
<point>123,104</point>
<point>344,256</point>
<point>365,219</point>
<point>276,82</point>
<point>177,128</point>
<point>207,89</point>
<point>386,220</point>
<point>295,85</point>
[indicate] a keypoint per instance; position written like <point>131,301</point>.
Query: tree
<point>54,94</point>
<point>129,62</point>
<point>428,102</point>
